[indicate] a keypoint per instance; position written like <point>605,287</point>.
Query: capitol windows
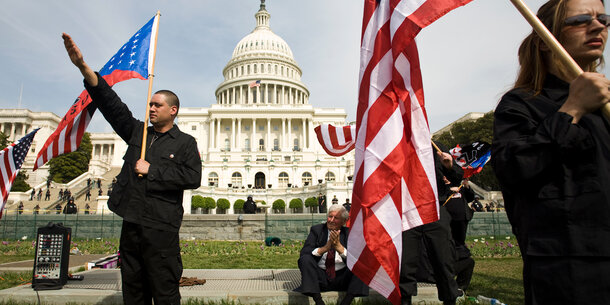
<point>330,176</point>
<point>261,145</point>
<point>296,145</point>
<point>276,144</point>
<point>227,145</point>
<point>213,179</point>
<point>255,70</point>
<point>236,179</point>
<point>306,178</point>
<point>247,145</point>
<point>282,179</point>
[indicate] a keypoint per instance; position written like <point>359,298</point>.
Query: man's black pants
<point>437,240</point>
<point>151,265</point>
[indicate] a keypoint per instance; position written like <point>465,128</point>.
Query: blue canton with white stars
<point>20,150</point>
<point>133,55</point>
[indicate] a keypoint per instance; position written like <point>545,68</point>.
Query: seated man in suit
<point>323,260</point>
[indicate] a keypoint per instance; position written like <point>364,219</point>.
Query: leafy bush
<point>296,203</point>
<point>197,202</point>
<point>209,203</point>
<point>223,204</point>
<point>279,204</point>
<point>311,202</point>
<point>263,202</point>
<point>239,204</point>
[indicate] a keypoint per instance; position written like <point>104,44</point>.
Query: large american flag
<point>11,159</point>
<point>395,185</point>
<point>133,60</point>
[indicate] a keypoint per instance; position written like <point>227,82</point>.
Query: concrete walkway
<point>245,286</point>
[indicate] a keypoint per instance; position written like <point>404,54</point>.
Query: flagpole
<point>151,76</point>
<point>573,68</point>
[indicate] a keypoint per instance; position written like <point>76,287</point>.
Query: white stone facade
<point>258,139</point>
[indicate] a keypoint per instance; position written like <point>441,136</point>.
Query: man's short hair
<point>170,98</point>
<point>338,208</point>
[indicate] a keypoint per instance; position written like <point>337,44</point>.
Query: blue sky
<point>468,57</point>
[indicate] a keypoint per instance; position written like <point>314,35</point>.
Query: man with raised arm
<point>148,193</point>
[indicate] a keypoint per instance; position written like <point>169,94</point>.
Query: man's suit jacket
<point>318,236</point>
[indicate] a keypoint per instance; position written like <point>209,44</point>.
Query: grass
<point>497,271</point>
<point>12,279</point>
<point>499,278</point>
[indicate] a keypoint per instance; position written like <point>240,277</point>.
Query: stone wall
<point>214,227</point>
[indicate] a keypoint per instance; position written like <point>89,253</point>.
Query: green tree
<point>279,205</point>
<point>66,167</point>
<point>209,203</point>
<point>197,202</point>
<point>223,203</point>
<point>296,203</point>
<point>468,132</point>
<point>311,202</point>
<point>238,204</point>
<point>20,183</point>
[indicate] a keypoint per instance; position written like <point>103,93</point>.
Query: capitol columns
<point>253,142</point>
<point>289,133</point>
<point>238,144</point>
<point>310,133</point>
<point>232,148</point>
<point>303,135</point>
<point>283,136</point>
<point>217,137</point>
<point>268,141</point>
<point>212,132</point>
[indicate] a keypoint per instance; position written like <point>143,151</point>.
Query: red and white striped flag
<point>395,185</point>
<point>336,141</point>
<point>11,159</point>
<point>133,60</point>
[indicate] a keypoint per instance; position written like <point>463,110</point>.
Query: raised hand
<point>77,59</point>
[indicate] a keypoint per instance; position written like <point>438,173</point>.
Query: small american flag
<point>255,83</point>
<point>133,60</point>
<point>395,181</point>
<point>12,158</point>
<point>336,140</point>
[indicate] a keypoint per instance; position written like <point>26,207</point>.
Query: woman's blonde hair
<point>532,58</point>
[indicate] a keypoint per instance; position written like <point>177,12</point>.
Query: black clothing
<point>322,204</point>
<point>151,206</point>
<point>151,265</point>
<point>70,208</point>
<point>314,279</point>
<point>460,213</point>
<point>250,206</point>
<point>438,243</point>
<point>555,179</point>
<point>175,165</point>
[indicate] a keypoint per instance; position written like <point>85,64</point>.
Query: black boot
<point>405,300</point>
<point>347,300</point>
<point>318,299</point>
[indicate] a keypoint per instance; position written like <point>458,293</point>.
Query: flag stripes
<point>336,141</point>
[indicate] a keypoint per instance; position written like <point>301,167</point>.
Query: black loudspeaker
<point>52,257</point>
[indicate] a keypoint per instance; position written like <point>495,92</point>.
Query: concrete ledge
<point>245,286</point>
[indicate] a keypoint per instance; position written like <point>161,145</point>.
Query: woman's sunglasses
<point>587,19</point>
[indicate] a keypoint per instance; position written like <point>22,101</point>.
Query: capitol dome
<point>262,70</point>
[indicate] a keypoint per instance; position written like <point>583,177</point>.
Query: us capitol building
<point>258,138</point>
